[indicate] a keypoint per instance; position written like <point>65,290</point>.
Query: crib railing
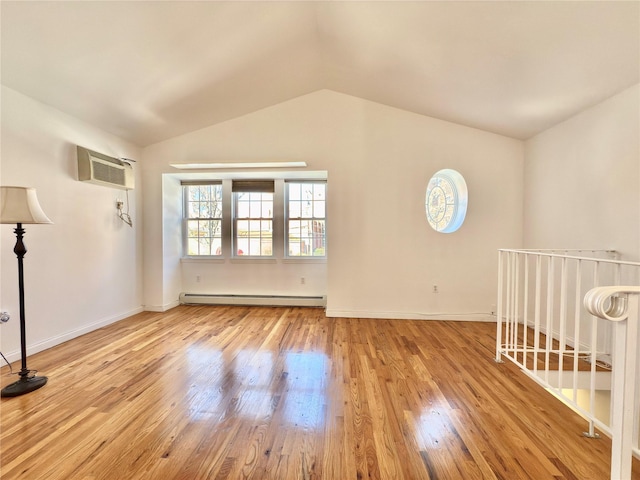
<point>544,326</point>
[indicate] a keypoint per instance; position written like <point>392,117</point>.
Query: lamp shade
<point>20,205</point>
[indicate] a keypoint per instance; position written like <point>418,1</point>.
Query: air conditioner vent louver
<point>109,174</point>
<point>101,169</point>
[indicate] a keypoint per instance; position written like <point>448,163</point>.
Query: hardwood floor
<point>286,393</point>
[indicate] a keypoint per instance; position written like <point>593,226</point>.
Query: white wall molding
<point>463,317</point>
<point>161,308</point>
<point>70,335</point>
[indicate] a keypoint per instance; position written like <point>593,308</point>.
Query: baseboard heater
<point>252,300</point>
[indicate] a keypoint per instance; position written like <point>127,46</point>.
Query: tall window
<point>203,207</point>
<point>253,218</point>
<point>306,219</point>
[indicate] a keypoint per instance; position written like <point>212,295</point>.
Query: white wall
<point>383,256</point>
<point>582,189</point>
<point>85,270</point>
<point>582,180</point>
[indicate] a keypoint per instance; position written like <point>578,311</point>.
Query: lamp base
<point>22,386</point>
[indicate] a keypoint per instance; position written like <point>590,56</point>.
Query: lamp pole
<point>25,384</point>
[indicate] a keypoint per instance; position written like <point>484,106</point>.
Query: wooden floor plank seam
<point>222,392</point>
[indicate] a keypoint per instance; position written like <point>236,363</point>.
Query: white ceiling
<point>148,71</point>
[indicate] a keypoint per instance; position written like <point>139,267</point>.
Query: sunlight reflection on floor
<point>250,385</point>
<point>305,394</point>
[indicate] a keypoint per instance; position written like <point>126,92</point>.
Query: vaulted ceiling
<point>148,71</point>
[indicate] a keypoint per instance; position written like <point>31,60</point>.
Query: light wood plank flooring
<point>285,393</point>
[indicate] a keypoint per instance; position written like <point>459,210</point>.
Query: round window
<point>446,201</point>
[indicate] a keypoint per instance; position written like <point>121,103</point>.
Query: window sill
<point>252,260</point>
<point>202,259</point>
<point>304,260</point>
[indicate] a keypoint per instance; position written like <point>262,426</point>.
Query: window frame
<point>280,240</point>
<point>288,218</point>
<point>252,187</point>
<point>236,219</point>
<point>186,217</point>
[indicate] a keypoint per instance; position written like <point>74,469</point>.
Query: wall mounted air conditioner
<point>101,169</point>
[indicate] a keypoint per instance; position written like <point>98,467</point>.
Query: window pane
<point>203,202</point>
<point>192,228</point>
<point>243,210</point>
<point>257,229</point>
<point>318,209</point>
<point>242,228</point>
<point>216,246</point>
<point>217,209</point>
<point>204,210</point>
<point>294,209</point>
<point>319,238</point>
<point>194,209</point>
<point>267,209</point>
<point>254,246</point>
<point>294,191</point>
<point>254,227</point>
<point>204,246</point>
<point>255,209</point>
<point>192,246</point>
<point>204,219</point>
<point>243,246</point>
<point>193,194</point>
<point>307,228</point>
<point>203,228</point>
<point>265,246</point>
<point>294,228</point>
<point>319,190</point>
<point>306,237</point>
<point>307,191</point>
<point>307,209</point>
<point>211,228</point>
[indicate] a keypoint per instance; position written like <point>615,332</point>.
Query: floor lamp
<point>20,205</point>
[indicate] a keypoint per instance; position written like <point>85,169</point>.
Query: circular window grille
<point>446,201</point>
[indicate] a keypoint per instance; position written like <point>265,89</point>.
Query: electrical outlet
<point>197,278</point>
<point>435,289</point>
<point>303,280</point>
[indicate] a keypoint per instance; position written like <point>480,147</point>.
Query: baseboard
<point>253,300</point>
<point>463,317</point>
<point>58,339</point>
<point>161,308</point>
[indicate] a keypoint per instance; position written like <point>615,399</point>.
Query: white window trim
<point>276,239</point>
<point>302,258</point>
<point>280,220</point>
<point>186,218</point>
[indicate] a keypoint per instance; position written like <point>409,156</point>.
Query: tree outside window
<point>204,219</point>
